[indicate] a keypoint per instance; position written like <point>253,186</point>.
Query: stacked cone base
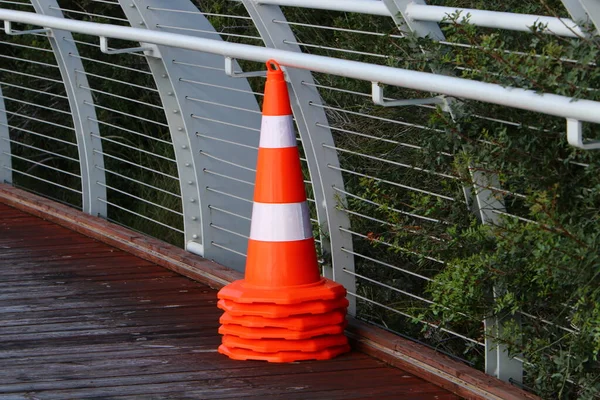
<point>280,333</point>
<point>312,345</point>
<point>242,292</point>
<point>283,356</point>
<point>282,310</point>
<point>291,324</point>
<point>297,323</point>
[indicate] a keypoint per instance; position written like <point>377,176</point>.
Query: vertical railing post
<point>82,108</point>
<point>485,204</point>
<point>397,9</point>
<point>584,11</point>
<point>179,127</point>
<point>497,361</point>
<point>318,145</point>
<point>5,153</point>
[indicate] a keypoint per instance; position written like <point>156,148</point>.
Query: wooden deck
<point>80,319</point>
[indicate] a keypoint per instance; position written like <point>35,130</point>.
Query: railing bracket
<point>575,136</point>
<point>8,30</point>
<point>378,98</point>
<point>148,49</point>
<point>229,70</point>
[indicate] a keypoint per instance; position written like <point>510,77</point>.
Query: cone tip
<point>273,66</point>
<point>274,71</point>
<point>276,101</point>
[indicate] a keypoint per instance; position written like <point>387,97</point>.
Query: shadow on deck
<point>80,319</point>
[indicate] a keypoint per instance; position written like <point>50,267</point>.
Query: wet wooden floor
<point>80,319</point>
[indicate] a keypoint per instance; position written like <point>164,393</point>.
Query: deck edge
<point>430,365</point>
<point>416,359</point>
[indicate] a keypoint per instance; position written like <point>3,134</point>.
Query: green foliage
<point>540,262</point>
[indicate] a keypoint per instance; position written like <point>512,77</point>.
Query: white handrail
<point>561,106</point>
<point>495,19</point>
<point>422,12</point>
<point>372,7</point>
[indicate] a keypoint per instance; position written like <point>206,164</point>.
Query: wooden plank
<point>116,302</point>
<point>234,388</point>
<point>114,261</point>
<point>58,292</point>
<point>195,318</point>
<point>140,335</point>
<point>139,282</point>
<point>183,347</point>
<point>57,251</point>
<point>78,276</point>
<point>237,391</point>
<point>12,245</point>
<point>82,353</point>
<point>388,392</point>
<point>208,361</point>
<point>81,315</point>
<point>145,384</point>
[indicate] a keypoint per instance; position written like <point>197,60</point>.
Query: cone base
<point>279,333</point>
<point>282,356</point>
<point>298,323</point>
<point>282,310</point>
<point>277,345</point>
<point>240,292</point>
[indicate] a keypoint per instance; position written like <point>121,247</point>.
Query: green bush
<point>541,257</point>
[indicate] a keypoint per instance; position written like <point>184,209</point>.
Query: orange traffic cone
<point>283,297</point>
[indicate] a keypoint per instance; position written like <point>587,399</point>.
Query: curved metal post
<point>497,361</point>
<point>214,121</point>
<point>84,114</point>
<point>482,200</point>
<point>5,153</point>
<point>318,145</point>
<point>584,11</point>
<point>397,9</point>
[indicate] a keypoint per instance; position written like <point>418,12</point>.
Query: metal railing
<point>140,113</point>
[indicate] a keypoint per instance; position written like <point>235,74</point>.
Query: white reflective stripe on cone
<point>277,131</point>
<point>280,222</point>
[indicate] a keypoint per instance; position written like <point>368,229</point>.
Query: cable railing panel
<point>39,139</point>
<point>135,138</point>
